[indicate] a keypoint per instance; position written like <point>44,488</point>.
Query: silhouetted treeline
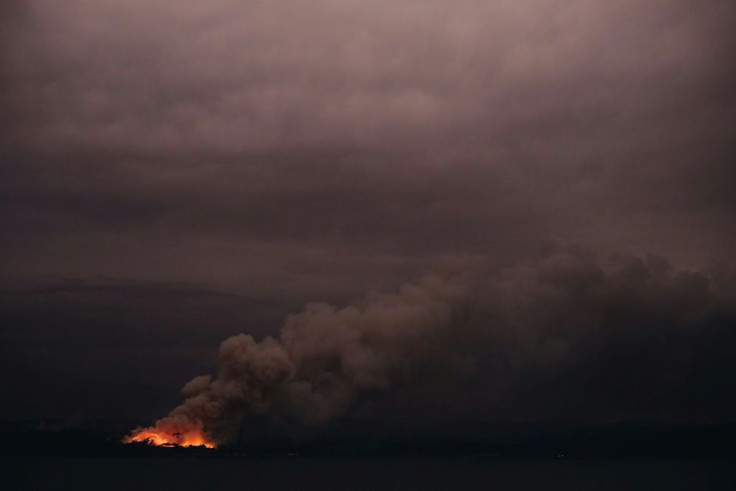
<point>351,438</point>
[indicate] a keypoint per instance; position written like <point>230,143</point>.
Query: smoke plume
<point>321,361</point>
<point>568,334</point>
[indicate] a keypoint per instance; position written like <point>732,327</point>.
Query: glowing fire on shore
<point>174,439</point>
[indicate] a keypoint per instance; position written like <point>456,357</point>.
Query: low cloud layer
<point>231,138</point>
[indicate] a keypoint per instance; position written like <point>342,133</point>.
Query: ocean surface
<point>454,473</point>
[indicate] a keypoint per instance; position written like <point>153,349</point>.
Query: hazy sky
<point>173,173</point>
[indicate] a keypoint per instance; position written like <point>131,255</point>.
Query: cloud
<point>334,125</point>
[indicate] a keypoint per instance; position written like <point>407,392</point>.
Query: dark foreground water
<point>455,473</point>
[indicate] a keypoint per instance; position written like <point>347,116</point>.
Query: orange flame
<point>155,437</point>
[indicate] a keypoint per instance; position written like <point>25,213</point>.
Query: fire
<point>156,437</point>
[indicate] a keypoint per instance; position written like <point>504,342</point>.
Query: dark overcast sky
<point>173,173</point>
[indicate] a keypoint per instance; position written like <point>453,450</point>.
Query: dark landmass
<point>352,438</point>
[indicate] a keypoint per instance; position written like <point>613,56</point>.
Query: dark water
<point>366,474</point>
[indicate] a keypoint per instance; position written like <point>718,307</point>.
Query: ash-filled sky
<point>176,173</point>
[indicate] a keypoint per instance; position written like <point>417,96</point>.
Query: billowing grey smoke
<point>568,334</point>
<point>323,358</point>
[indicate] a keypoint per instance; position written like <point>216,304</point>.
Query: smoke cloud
<point>568,333</point>
<point>323,359</point>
